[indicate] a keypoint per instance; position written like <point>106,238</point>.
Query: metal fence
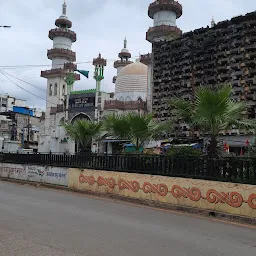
<point>233,169</point>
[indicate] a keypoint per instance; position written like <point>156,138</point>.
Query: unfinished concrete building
<point>222,54</point>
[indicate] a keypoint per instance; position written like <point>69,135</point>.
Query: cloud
<point>101,26</point>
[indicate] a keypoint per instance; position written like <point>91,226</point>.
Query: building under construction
<point>222,54</point>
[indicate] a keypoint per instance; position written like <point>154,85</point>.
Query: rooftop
<point>83,91</point>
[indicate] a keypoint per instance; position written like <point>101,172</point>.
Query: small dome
<point>125,50</point>
<point>132,78</point>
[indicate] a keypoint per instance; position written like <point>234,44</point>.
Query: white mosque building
<point>130,85</point>
<point>64,104</point>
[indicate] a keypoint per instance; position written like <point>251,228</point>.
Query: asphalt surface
<point>47,222</point>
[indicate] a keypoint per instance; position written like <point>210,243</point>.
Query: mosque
<point>178,63</point>
<point>65,104</point>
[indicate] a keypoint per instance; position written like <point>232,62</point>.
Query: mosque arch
<point>62,120</point>
<point>80,116</point>
<point>128,98</point>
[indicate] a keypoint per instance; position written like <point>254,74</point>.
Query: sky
<point>101,26</point>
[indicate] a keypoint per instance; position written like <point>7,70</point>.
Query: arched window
<point>121,98</point>
<point>50,90</point>
<point>63,89</point>
<point>140,99</point>
<point>55,89</point>
<point>62,120</point>
<point>128,98</point>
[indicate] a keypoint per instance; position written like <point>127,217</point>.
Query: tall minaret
<point>62,58</point>
<point>99,64</point>
<point>62,64</point>
<point>164,13</point>
<point>212,22</point>
<point>124,56</point>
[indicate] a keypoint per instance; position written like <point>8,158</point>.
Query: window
<point>121,99</point>
<point>55,89</point>
<point>50,90</point>
<point>63,89</point>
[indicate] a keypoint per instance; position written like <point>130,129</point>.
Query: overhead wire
<point>35,86</point>
<point>48,65</point>
<point>24,88</point>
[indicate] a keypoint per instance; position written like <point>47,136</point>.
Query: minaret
<point>213,22</point>
<point>124,56</point>
<point>164,13</point>
<point>62,58</point>
<point>99,64</point>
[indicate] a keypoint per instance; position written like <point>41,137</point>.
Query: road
<point>47,222</point>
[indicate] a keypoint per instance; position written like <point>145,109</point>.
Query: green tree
<point>84,132</point>
<point>213,111</point>
<point>138,129</point>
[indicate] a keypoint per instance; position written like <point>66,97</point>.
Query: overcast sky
<point>101,26</point>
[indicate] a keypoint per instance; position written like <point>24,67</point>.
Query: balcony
<point>61,53</point>
<point>62,32</point>
<point>63,22</point>
<point>125,105</point>
<point>163,31</point>
<point>146,59</point>
<point>121,63</point>
<point>165,5</point>
<point>70,66</point>
<point>57,72</point>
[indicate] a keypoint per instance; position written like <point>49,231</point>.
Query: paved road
<point>45,222</point>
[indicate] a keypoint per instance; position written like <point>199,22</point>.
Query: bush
<point>183,151</point>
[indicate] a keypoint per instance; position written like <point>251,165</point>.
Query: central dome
<point>132,78</point>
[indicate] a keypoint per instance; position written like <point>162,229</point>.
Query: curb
<point>144,203</point>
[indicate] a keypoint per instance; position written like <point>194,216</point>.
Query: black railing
<point>233,169</point>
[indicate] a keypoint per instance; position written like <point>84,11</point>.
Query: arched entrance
<point>80,116</point>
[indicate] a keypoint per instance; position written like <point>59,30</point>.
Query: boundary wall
<point>213,196</point>
<point>41,174</point>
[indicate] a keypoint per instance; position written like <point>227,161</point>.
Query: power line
<point>49,65</point>
<point>24,89</point>
<point>24,81</point>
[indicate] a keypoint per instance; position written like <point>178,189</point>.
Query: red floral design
<point>134,186</point>
<point>86,179</point>
<point>233,199</point>
<point>108,182</point>
<point>252,201</point>
<point>160,189</point>
<point>193,194</point>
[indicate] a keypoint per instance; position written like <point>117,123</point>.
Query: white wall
<point>62,42</point>
<point>133,95</point>
<point>36,173</point>
<point>165,18</point>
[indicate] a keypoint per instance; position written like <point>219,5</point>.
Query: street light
<point>5,26</point>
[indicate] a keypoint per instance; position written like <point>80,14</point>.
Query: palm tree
<point>83,132</point>
<point>138,129</point>
<point>212,112</point>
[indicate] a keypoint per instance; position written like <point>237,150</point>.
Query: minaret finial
<point>125,43</point>
<point>213,22</point>
<point>64,8</point>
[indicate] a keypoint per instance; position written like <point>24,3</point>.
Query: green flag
<point>83,72</point>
